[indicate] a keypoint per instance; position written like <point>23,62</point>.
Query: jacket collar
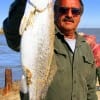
<point>59,48</point>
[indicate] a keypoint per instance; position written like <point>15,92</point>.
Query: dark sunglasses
<point>75,11</point>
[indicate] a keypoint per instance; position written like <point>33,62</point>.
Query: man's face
<point>68,15</point>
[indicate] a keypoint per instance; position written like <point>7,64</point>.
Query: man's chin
<point>68,29</point>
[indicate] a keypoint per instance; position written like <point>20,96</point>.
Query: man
<point>75,76</point>
<point>76,71</point>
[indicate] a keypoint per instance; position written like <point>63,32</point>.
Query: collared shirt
<point>71,42</point>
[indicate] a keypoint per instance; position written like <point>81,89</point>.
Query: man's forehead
<point>69,2</point>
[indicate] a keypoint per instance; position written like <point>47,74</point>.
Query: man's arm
<point>12,22</point>
<point>91,83</point>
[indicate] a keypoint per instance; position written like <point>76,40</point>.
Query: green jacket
<point>75,76</point>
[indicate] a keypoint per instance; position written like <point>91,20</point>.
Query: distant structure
<point>1,30</point>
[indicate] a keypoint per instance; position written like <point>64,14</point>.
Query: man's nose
<point>69,13</point>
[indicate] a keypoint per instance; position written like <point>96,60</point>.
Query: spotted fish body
<point>37,46</point>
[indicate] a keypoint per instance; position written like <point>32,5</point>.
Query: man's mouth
<point>68,20</point>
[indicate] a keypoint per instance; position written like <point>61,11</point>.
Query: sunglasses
<point>75,11</point>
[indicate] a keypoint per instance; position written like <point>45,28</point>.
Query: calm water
<point>93,31</point>
<point>8,59</point>
<point>11,59</point>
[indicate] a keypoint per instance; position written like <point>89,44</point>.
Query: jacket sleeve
<point>91,84</point>
<point>12,22</point>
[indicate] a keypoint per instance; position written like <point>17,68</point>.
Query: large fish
<point>37,46</point>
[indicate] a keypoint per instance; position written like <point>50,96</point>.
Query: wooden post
<point>8,81</point>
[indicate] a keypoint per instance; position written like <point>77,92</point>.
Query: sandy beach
<point>13,94</point>
<point>98,93</point>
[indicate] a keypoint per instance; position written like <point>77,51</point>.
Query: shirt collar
<point>57,31</point>
<point>79,39</point>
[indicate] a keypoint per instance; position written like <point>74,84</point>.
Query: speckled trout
<point>37,46</point>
